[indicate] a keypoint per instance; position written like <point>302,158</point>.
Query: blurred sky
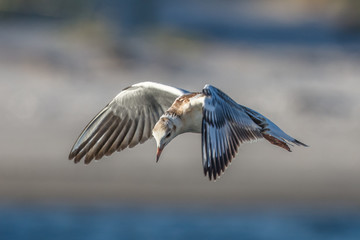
<point>296,62</point>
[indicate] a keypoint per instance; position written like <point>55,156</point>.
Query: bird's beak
<point>158,153</point>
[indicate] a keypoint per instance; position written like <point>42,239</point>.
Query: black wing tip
<point>88,159</point>
<point>297,142</point>
<point>74,155</point>
<point>76,158</point>
<point>209,172</point>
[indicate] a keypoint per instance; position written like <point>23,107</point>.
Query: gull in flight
<point>151,109</point>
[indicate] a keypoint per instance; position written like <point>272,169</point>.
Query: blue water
<point>102,223</point>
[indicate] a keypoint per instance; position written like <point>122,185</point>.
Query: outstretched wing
<point>126,121</point>
<point>225,126</point>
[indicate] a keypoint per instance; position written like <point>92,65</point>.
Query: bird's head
<point>164,131</point>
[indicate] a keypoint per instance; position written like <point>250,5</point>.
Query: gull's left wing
<point>225,126</point>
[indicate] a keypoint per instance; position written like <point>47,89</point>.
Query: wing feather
<point>129,137</point>
<point>96,149</point>
<point>114,132</point>
<point>125,122</point>
<point>123,134</point>
<point>119,135</point>
<point>226,125</point>
<point>139,131</point>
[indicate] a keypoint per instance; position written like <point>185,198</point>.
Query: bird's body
<point>166,112</point>
<point>188,107</point>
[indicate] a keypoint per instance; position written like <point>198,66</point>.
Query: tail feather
<point>272,132</point>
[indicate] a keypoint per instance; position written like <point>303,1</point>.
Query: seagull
<point>149,109</point>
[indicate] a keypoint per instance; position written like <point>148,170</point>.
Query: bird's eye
<point>168,135</point>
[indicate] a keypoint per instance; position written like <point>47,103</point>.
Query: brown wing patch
<point>276,141</point>
<point>177,107</point>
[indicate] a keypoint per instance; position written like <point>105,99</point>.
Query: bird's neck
<point>189,121</point>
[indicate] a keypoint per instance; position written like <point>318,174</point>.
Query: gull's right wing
<point>126,121</point>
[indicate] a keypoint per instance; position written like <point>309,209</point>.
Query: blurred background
<point>297,62</point>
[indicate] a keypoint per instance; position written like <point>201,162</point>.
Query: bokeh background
<point>297,62</point>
